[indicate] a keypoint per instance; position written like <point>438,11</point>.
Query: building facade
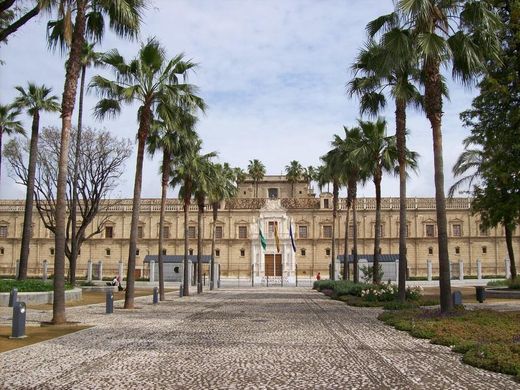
<point>280,206</point>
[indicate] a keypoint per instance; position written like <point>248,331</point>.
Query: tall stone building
<point>279,205</point>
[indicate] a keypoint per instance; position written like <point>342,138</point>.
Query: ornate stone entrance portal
<point>278,266</point>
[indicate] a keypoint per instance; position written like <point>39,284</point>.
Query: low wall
<point>503,293</point>
<point>40,298</point>
<point>99,288</point>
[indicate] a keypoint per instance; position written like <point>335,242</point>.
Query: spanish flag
<point>276,238</point>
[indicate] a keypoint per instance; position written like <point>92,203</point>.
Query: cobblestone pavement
<point>274,338</point>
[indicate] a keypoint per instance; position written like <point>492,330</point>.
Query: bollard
<point>13,297</point>
<point>18,329</point>
<point>267,280</point>
<point>155,295</point>
<point>481,293</point>
<point>181,292</point>
<point>110,303</point>
<point>199,288</point>
<point>457,298</point>
<point>204,278</point>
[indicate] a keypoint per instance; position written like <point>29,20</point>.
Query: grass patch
<point>513,284</point>
<point>35,335</point>
<point>28,285</point>
<point>487,339</point>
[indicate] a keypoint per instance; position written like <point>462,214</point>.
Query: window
<point>483,231</point>
<point>140,232</point>
<point>381,230</point>
<point>242,232</point>
<point>457,230</point>
<point>303,252</point>
<point>164,252</point>
<point>484,250</point>
<point>302,231</point>
<point>137,252</point>
<point>242,252</point>
<point>1,250</point>
<point>217,252</point>
<point>166,232</point>
<point>218,232</point>
<point>407,228</point>
<point>109,231</point>
<point>327,231</point>
<point>457,250</point>
<point>272,193</point>
<point>325,203</point>
<point>430,230</point>
<point>430,251</point>
<point>190,252</point>
<point>192,232</point>
<point>327,252</point>
<point>51,251</point>
<point>107,251</point>
<point>79,252</point>
<point>270,228</point>
<point>3,231</point>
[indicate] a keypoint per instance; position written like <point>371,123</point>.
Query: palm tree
<point>463,35</point>
<point>9,124</point>
<point>294,173</point>
<point>257,172</point>
<point>309,175</point>
<point>378,152</point>
<point>468,165</point>
<point>240,174</point>
<point>124,18</point>
<point>168,134</point>
<point>187,166</point>
<point>379,68</point>
<point>35,100</point>
<point>149,79</point>
<point>222,188</point>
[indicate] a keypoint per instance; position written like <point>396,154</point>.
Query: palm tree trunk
<point>510,252</point>
<point>213,239</point>
<point>400,133</point>
<point>354,236</point>
<point>345,250</point>
<point>292,189</point>
<point>335,192</point>
<point>199,245</point>
<point>377,235</point>
<point>68,101</point>
<point>186,275</point>
<point>433,107</point>
<point>74,217</point>
<point>142,134</point>
<point>1,135</point>
<point>164,188</point>
<point>29,196</point>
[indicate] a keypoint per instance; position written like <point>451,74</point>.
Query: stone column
<point>479,269</point>
<point>461,270</point>
<point>121,270</point>
<point>44,270</point>
<point>89,271</point>
<point>397,271</point>
<point>152,271</point>
<point>507,268</point>
<point>100,268</point>
<point>430,270</point>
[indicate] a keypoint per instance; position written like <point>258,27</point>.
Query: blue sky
<point>272,72</point>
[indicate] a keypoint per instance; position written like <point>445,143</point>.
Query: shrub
<point>326,284</point>
<point>497,283</point>
<point>368,273</point>
<point>514,284</point>
<point>414,293</point>
<point>29,285</point>
<point>396,305</point>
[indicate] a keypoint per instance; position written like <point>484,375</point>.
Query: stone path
<point>273,338</point>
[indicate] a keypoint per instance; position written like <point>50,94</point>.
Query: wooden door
<point>273,265</point>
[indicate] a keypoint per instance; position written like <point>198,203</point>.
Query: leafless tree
<point>101,164</point>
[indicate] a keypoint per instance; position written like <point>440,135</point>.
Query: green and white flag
<point>263,242</point>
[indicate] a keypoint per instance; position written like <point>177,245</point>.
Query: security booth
<point>389,266</point>
<point>174,268</point>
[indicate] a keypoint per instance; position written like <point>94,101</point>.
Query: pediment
<point>273,205</point>
<point>429,220</point>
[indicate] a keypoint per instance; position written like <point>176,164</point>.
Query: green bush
<point>29,285</point>
<point>326,284</point>
<point>514,284</point>
<point>396,305</point>
<point>497,283</point>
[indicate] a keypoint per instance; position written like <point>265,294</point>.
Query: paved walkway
<point>274,338</point>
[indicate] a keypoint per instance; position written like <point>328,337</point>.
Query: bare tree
<point>101,164</point>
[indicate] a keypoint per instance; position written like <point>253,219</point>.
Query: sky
<point>273,75</point>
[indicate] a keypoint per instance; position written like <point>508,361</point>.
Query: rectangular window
<point>302,251</point>
<point>166,232</point>
<point>107,251</point>
<point>3,231</point>
<point>430,230</point>
<point>242,232</point>
<point>325,203</point>
<point>137,252</point>
<point>327,252</point>
<point>302,231</point>
<point>140,232</point>
<point>270,228</point>
<point>242,252</point>
<point>484,250</point>
<point>218,232</point>
<point>327,231</point>
<point>457,230</point>
<point>272,193</point>
<point>217,252</point>
<point>109,231</point>
<point>192,232</point>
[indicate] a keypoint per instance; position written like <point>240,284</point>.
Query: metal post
<point>45,270</point>
<point>267,280</point>
<point>18,328</point>
<point>218,280</point>
<point>296,273</point>
<point>181,292</point>
<point>13,297</point>
<point>252,275</point>
<point>204,278</point>
<point>155,295</point>
<point>109,307</point>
